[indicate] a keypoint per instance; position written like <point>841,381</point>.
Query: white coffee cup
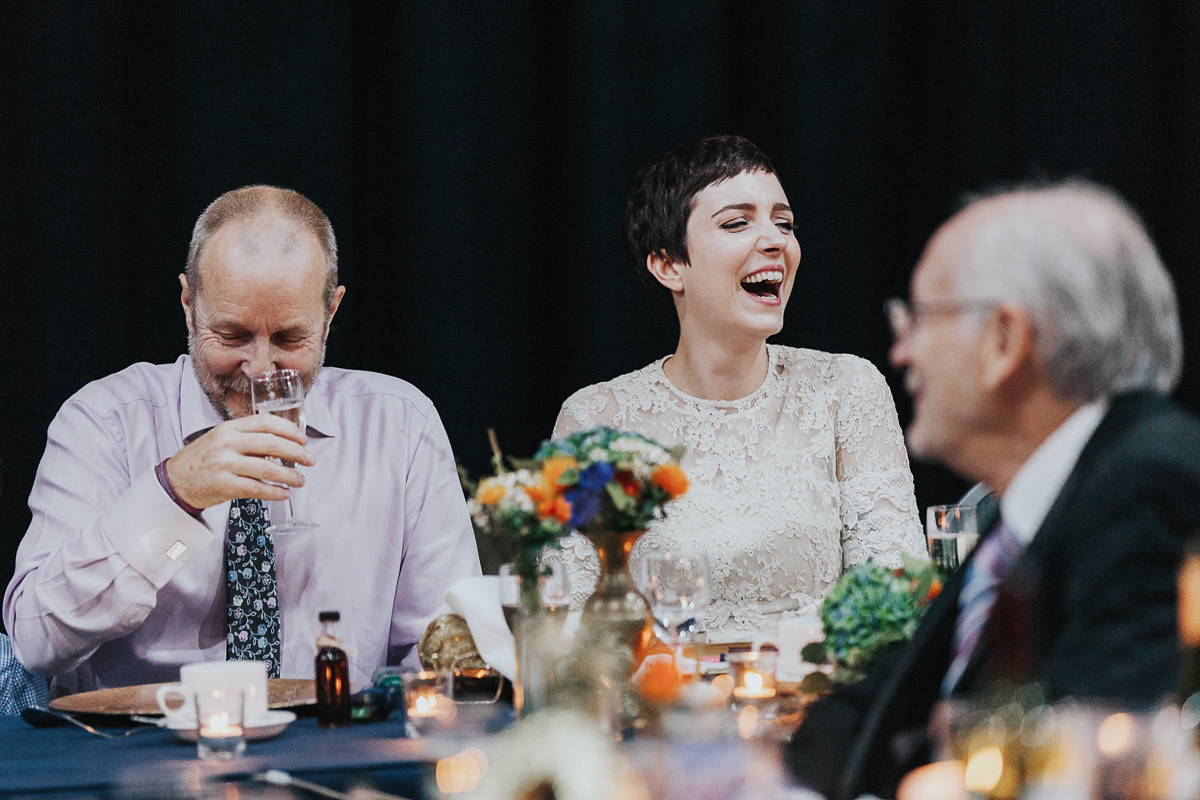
<point>793,635</point>
<point>248,676</point>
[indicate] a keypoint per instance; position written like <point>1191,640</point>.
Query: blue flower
<point>596,476</point>
<point>584,505</point>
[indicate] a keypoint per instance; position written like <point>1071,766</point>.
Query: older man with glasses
<point>1039,346</point>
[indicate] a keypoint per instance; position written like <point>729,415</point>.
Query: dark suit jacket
<point>1088,611</point>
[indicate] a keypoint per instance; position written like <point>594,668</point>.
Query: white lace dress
<point>789,485</point>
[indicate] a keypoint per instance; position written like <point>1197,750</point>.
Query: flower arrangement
<point>610,478</point>
<point>595,477</point>
<point>869,608</point>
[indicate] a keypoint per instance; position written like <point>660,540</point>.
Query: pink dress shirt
<point>116,585</point>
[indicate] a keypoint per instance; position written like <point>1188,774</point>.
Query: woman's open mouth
<point>765,284</point>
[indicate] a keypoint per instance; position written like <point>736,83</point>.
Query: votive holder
<point>428,698</point>
<point>220,728</point>
<point>753,676</point>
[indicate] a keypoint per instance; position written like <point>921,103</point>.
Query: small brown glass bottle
<point>333,675</point>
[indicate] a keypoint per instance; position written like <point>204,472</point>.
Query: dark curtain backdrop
<point>475,157</point>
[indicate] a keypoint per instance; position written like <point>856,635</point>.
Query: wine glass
<point>281,394</point>
<point>676,586</point>
<point>554,591</point>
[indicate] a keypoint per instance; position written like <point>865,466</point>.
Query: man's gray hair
<point>1076,257</point>
<point>247,203</point>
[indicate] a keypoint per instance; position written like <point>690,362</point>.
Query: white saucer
<point>262,728</point>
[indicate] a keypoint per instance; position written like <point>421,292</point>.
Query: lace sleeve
<point>587,408</point>
<point>879,510</point>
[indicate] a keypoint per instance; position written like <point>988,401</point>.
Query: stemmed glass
<point>281,393</point>
<point>676,586</point>
<point>554,591</point>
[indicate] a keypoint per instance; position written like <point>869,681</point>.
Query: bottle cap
<point>328,616</point>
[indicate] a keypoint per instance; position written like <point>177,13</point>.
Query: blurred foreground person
<point>149,545</point>
<point>1039,346</point>
<point>796,458</point>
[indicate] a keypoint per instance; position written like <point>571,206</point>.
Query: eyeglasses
<point>903,318</point>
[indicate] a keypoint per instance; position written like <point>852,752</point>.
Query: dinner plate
<point>126,700</point>
<point>270,725</point>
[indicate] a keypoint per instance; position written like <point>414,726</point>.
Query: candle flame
<point>754,680</point>
<point>1116,735</point>
<point>425,704</point>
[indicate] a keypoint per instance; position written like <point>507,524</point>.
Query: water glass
<point>220,724</point>
<point>951,533</point>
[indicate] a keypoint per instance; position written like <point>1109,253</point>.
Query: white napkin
<point>477,600</point>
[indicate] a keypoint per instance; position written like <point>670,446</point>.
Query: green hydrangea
<point>870,608</point>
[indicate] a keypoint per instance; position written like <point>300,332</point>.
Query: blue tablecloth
<point>71,762</point>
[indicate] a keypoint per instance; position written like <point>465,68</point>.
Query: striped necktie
<point>996,556</point>
<point>251,607</point>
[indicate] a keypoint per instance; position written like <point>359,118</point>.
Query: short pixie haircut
<point>664,195</point>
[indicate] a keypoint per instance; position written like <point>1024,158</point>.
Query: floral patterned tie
<point>251,608</point>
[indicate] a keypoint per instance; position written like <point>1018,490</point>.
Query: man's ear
<point>1008,346</point>
<point>666,271</point>
<point>185,299</point>
<point>338,294</point>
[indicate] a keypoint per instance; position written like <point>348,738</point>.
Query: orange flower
<point>491,493</point>
<point>553,468</point>
<point>935,589</point>
<point>557,507</point>
<point>671,478</point>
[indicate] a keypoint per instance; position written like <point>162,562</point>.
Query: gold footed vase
<point>616,622</point>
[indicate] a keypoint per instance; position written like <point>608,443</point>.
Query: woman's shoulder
<point>646,376</point>
<point>601,402</point>
<point>836,369</point>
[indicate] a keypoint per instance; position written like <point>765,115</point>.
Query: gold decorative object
<point>447,644</point>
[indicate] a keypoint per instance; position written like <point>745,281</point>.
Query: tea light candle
<point>753,687</point>
<point>423,702</point>
<point>429,696</point>
<point>218,727</point>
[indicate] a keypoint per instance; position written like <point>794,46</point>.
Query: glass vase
<point>537,630</point>
<point>616,621</point>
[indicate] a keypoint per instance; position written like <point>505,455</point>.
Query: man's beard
<point>219,388</point>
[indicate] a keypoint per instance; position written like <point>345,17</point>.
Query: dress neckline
<point>742,402</point>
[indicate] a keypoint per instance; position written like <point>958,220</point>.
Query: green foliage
<point>870,608</point>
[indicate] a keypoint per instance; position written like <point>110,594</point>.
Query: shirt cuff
<point>161,472</point>
<point>151,532</point>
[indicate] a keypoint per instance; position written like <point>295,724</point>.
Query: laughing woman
<point>797,463</point>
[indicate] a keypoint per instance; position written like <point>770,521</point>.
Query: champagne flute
<point>676,585</point>
<point>281,394</point>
